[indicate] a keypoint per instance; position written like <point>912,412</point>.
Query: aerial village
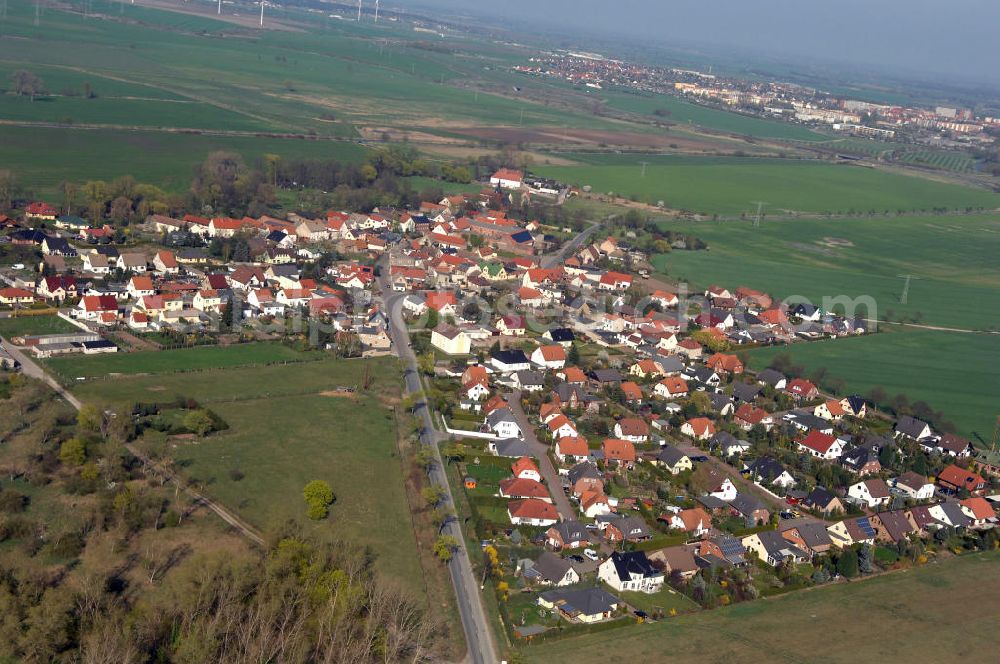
<point>617,454</point>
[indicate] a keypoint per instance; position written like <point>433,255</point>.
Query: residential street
<point>548,471</point>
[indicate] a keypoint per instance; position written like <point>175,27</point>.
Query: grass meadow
<point>953,372</point>
<point>285,430</point>
<point>13,327</point>
<point>939,612</point>
<point>729,186</point>
<point>176,360</point>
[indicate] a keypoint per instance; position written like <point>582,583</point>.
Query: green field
<point>730,185</point>
<point>167,361</point>
<point>687,113</point>
<point>953,372</point>
<point>43,157</point>
<point>938,613</point>
<point>284,432</point>
<point>13,327</point>
<point>949,161</point>
<point>953,256</point>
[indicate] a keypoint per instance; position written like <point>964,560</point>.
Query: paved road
<point>30,368</point>
<point>573,245</point>
<point>548,470</point>
<point>478,635</point>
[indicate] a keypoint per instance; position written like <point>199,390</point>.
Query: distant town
<point>942,127</point>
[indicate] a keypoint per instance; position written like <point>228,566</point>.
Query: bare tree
<point>26,83</point>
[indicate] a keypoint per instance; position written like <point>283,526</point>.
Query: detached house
<point>674,460</point>
<point>773,549</point>
<point>914,486</point>
<point>617,451</point>
<point>631,571</point>
<point>954,479</point>
<point>822,445</point>
<point>550,357</point>
<point>872,493</point>
<point>572,449</point>
<point>532,512</point>
<point>699,428</point>
<point>632,429</point>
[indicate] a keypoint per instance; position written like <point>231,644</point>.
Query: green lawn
<point>13,327</point>
<point>954,258</point>
<point>285,432</point>
<point>177,360</point>
<point>688,113</point>
<point>941,612</point>
<point>953,372</point>
<point>731,185</point>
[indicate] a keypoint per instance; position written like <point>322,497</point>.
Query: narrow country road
<point>478,635</point>
<point>540,450</point>
<point>30,368</point>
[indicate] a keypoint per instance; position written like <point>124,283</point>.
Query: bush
<point>67,545</point>
<point>12,501</point>
<point>73,452</point>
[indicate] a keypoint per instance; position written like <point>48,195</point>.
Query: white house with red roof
<point>507,178</point>
<point>821,445</point>
<point>550,357</point>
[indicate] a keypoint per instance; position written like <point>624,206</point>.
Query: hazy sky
<point>952,37</point>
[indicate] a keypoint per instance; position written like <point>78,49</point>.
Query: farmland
<point>167,361</point>
<point>953,372</point>
<point>940,612</point>
<point>685,113</point>
<point>953,256</point>
<point>729,185</point>
<point>287,427</point>
<point>45,156</point>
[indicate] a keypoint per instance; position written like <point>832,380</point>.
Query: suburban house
<point>525,469</point>
<point>632,429</point>
<point>912,428</point>
<point>673,460</point>
<point>572,449</point>
<point>821,445</point>
<point>871,493</point>
<point>584,605</point>
<point>914,486</point>
<point>532,512</point>
<point>773,549</point>
<point>695,521</point>
<point>621,452</point>
<point>451,340</point>
<point>550,357</point>
<point>822,501</point>
<point>550,569</point>
<point>516,487</point>
<point>631,571</point>
<point>567,535</point>
<point>955,478</point>
<point>801,389</point>
<point>699,428</point>
<point>503,423</point>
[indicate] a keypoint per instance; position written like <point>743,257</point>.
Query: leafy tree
<point>26,83</point>
<point>433,318</point>
<point>433,494</point>
<point>847,564</point>
<point>199,422</point>
<point>702,402</point>
<point>319,496</point>
<point>866,560</point>
<point>73,452</point>
<point>573,355</point>
<point>445,547</point>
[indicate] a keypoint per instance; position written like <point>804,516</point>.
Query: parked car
<point>590,553</point>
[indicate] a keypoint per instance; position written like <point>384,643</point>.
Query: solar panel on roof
<point>866,526</point>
